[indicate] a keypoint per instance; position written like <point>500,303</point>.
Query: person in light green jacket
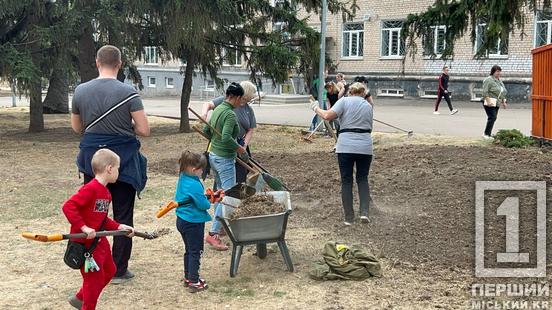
<point>494,94</point>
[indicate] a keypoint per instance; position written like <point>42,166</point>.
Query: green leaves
<point>488,22</point>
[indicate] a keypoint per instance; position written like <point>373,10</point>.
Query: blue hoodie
<point>190,187</point>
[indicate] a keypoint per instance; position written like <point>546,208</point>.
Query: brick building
<point>370,45</point>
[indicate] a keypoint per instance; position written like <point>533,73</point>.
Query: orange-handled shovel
<point>60,237</point>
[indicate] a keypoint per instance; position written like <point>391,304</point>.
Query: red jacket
<point>89,206</point>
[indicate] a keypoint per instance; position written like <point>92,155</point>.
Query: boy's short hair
<point>109,56</point>
<point>191,159</point>
<point>103,158</point>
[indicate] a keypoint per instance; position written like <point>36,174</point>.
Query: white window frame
<point>238,60</point>
<point>392,30</point>
<point>148,50</point>
<point>436,30</point>
<point>548,23</point>
<point>351,33</point>
<point>150,84</point>
<point>167,85</point>
<point>498,43</point>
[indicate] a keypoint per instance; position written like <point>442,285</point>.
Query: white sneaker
<point>436,112</point>
<point>453,111</point>
<point>347,223</point>
<point>487,137</point>
<point>364,219</point>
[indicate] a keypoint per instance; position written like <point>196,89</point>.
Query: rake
<point>270,180</point>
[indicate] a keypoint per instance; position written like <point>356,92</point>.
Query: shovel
<point>60,237</point>
<point>270,180</point>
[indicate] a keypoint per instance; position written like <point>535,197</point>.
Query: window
<point>169,82</point>
<point>495,51</point>
<point>435,43</point>
<point>150,55</point>
<point>151,81</point>
<point>391,43</point>
<point>353,40</point>
<point>543,28</point>
<point>232,57</point>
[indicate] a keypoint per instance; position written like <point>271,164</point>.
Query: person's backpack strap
<point>113,108</point>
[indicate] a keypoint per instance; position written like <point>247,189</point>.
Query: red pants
<point>94,282</point>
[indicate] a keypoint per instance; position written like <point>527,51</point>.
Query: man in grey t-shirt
<point>116,131</point>
<point>95,97</point>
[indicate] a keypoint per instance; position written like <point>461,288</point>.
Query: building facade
<point>371,45</point>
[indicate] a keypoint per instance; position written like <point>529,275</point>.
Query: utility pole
<point>322,65</point>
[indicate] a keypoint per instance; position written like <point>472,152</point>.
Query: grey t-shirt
<point>95,97</point>
<point>245,115</point>
<point>354,113</point>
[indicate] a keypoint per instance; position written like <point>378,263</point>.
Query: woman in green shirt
<point>494,94</point>
<point>223,152</point>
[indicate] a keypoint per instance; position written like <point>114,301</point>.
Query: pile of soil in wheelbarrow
<point>257,205</point>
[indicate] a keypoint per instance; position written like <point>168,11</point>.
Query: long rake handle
<point>387,124</point>
<point>60,237</point>
<point>241,162</point>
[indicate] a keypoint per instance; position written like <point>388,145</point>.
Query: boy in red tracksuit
<point>86,211</point>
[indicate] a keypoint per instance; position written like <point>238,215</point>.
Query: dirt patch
<point>257,205</point>
<point>422,227</point>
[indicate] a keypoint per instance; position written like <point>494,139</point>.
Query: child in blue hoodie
<point>191,217</point>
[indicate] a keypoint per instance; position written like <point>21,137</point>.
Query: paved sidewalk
<point>410,114</point>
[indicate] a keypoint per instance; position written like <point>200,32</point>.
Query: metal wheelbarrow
<point>258,230</point>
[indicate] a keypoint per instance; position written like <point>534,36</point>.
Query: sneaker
<point>187,282</point>
<point>364,219</point>
<point>75,302</point>
<point>122,279</point>
<point>453,111</point>
<point>436,112</point>
<point>216,243</point>
<point>347,223</point>
<point>487,137</point>
<point>198,286</point>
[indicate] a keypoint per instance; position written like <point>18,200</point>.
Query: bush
<point>513,138</point>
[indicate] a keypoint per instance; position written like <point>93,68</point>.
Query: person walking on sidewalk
<point>442,91</point>
<point>494,94</point>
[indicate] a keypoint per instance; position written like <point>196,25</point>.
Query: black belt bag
<point>75,253</point>
<point>357,130</point>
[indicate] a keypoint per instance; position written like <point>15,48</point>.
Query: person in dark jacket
<point>442,91</point>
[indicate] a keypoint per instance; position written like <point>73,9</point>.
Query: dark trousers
<point>123,196</point>
<point>241,171</point>
<point>346,163</point>
<point>192,235</point>
<point>492,113</point>
<point>440,95</point>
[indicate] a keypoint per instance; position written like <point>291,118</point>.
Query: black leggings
<point>492,113</point>
<point>346,163</point>
<point>440,95</point>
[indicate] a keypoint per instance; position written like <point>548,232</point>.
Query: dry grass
<point>37,173</point>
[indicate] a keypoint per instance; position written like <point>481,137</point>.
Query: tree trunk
<point>186,93</point>
<point>57,98</point>
<point>87,55</point>
<point>36,118</point>
<point>36,123</point>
